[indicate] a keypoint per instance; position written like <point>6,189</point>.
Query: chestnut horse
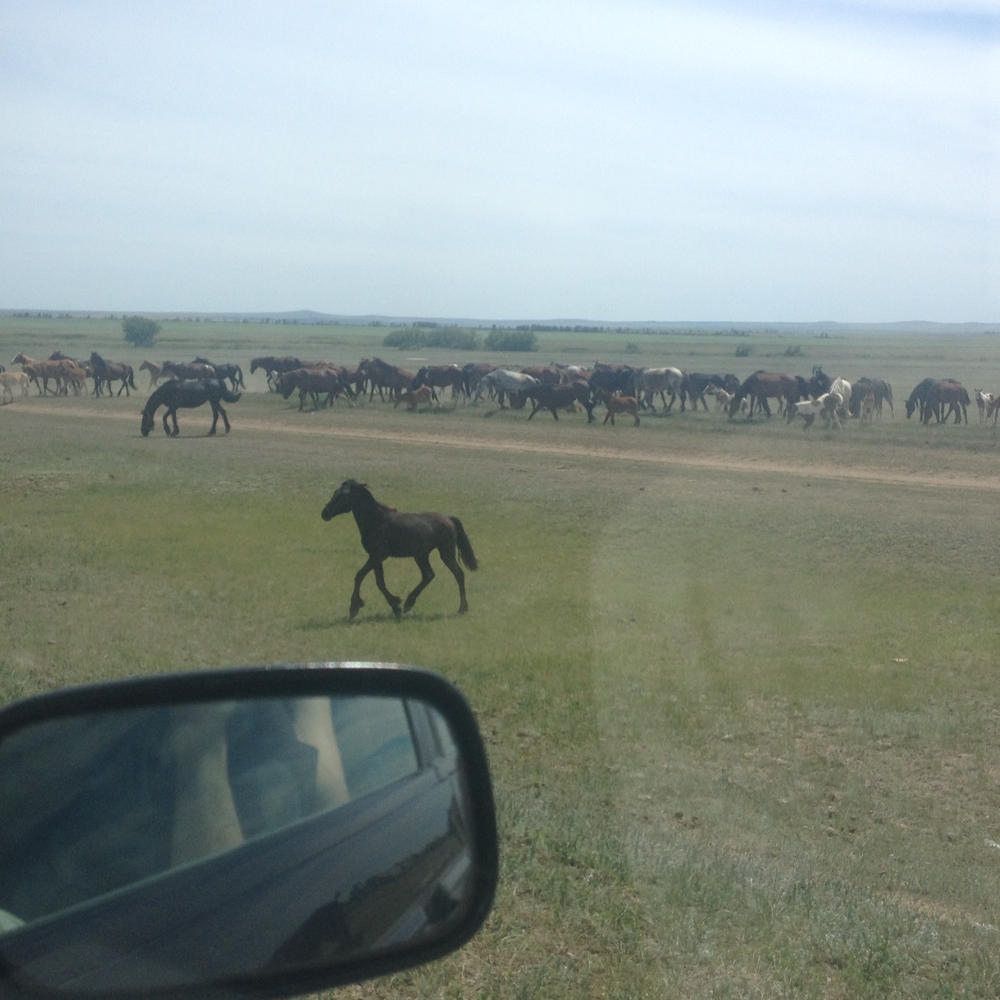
<point>760,387</point>
<point>386,532</point>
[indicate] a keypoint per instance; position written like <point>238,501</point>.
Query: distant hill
<point>312,317</point>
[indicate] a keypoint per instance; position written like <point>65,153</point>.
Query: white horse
<point>843,389</point>
<point>826,407</point>
<point>503,380</point>
<point>983,401</point>
<point>650,381</point>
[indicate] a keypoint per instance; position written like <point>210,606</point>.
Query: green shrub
<point>511,340</point>
<point>453,337</point>
<point>439,336</point>
<point>403,339</point>
<point>139,330</point>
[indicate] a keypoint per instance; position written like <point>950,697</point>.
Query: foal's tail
<point>464,545</point>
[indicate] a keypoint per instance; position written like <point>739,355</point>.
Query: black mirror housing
<point>253,832</point>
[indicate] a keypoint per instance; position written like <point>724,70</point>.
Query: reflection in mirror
<point>283,832</point>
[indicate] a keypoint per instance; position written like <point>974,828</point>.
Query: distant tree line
<point>424,335</point>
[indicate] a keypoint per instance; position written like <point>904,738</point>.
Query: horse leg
<point>426,575</point>
<point>356,602</point>
<point>448,558</point>
<point>390,597</point>
<point>215,417</point>
<point>225,417</point>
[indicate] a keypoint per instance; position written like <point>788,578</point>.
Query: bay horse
<point>947,392</point>
<point>439,377</point>
<point>176,394</point>
<point>387,532</point>
<point>555,397</point>
<point>227,370</point>
<point>106,372</point>
<point>761,386</point>
<point>695,384</point>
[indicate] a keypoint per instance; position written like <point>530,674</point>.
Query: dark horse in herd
<point>387,532</point>
<point>932,395</point>
<point>175,395</point>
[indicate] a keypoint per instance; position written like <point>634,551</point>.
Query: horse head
<point>343,498</point>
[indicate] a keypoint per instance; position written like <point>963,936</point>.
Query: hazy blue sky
<point>604,159</point>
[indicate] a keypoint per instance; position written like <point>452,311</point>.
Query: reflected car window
<point>99,802</point>
<point>376,743</point>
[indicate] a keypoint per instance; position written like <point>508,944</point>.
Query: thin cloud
<point>614,160</point>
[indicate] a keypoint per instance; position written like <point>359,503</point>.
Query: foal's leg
<point>390,597</point>
<point>356,602</point>
<point>426,575</point>
<point>448,558</point>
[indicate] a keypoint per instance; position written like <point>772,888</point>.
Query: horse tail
<point>464,545</point>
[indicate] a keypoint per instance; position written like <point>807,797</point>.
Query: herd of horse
<point>188,384</point>
<point>620,388</point>
<point>554,388</point>
<point>69,375</point>
<point>389,533</point>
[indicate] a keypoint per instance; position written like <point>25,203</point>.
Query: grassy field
<point>738,683</point>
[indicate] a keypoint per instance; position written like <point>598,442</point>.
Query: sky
<point>614,160</point>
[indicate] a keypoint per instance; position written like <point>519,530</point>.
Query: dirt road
<point>989,480</point>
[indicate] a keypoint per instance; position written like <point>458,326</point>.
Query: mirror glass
<point>206,841</point>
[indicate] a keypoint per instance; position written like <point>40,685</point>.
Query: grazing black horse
<point>192,392</point>
<point>387,532</point>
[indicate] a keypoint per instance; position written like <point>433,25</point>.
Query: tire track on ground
<point>568,450</point>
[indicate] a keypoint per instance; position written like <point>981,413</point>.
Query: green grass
<point>742,716</point>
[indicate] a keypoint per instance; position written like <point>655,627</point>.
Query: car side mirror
<point>258,832</point>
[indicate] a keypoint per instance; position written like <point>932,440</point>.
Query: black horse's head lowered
<point>190,393</point>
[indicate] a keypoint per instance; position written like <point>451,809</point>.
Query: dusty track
<point>812,470</point>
